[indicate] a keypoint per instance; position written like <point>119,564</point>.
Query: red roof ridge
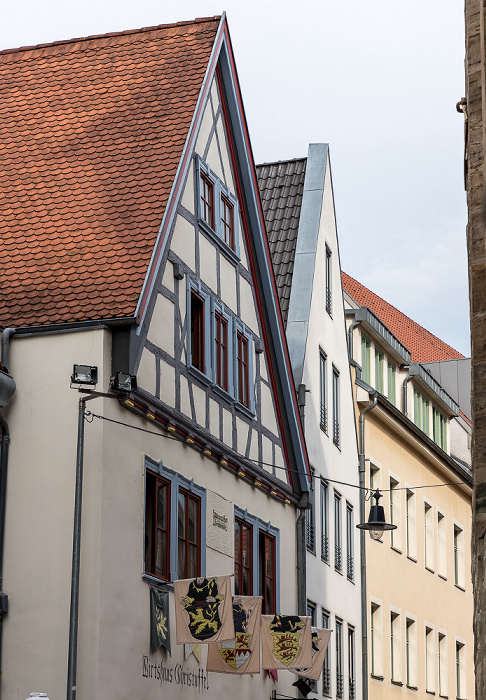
<point>109,35</point>
<point>423,345</point>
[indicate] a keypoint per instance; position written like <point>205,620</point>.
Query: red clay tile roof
<point>424,346</point>
<point>91,134</point>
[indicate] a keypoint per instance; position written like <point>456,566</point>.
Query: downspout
<point>404,394</point>
<point>7,389</point>
<point>362,517</point>
<point>302,506</point>
<point>350,338</point>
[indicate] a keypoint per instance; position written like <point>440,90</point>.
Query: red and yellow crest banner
<point>241,654</point>
<point>320,640</point>
<point>286,642</point>
<point>204,613</point>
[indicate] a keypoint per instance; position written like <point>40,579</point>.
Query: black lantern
<point>376,524</point>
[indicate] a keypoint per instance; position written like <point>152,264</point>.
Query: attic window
<point>218,211</point>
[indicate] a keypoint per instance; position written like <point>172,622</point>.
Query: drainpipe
<point>7,388</point>
<point>350,338</point>
<point>404,394</point>
<point>362,517</point>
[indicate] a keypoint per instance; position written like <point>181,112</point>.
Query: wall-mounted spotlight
<point>376,524</point>
<point>123,382</point>
<point>84,374</point>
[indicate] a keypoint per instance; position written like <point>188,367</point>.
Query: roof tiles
<point>91,134</point>
<point>281,187</point>
<point>423,345</point>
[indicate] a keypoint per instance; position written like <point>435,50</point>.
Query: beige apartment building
<point>419,603</point>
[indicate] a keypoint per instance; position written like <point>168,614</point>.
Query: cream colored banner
<point>286,642</point>
<point>204,612</point>
<point>241,654</point>
<point>320,640</point>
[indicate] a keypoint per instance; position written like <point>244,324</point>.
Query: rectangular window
<point>157,527</point>
<point>227,222</point>
<point>375,480</point>
<point>439,428</point>
<point>392,382</point>
<point>429,660</point>
<point>411,525</point>
<point>197,331</point>
<point>221,350</point>
<point>376,641</point>
<point>174,538</point>
<point>395,647</point>
<point>207,200</point>
<point>461,692</point>
<point>188,535</point>
<point>310,521</point>
<point>323,390</point>
<point>349,541</point>
<point>351,664</point>
<point>243,374</point>
<point>339,660</point>
<point>459,576</point>
<point>267,561</point>
<point>326,667</point>
<point>441,546</point>
<point>365,359</point>
<point>328,282</point>
<point>243,558</point>
<point>395,515</point>
<point>337,533</point>
<point>421,411</point>
<point>429,536</point>
<point>411,652</point>
<point>324,523</point>
<point>379,379</point>
<point>336,429</point>
<point>443,672</point>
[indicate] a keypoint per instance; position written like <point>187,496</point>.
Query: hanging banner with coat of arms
<point>286,641</point>
<point>159,620</point>
<point>320,640</point>
<point>242,653</point>
<point>204,613</point>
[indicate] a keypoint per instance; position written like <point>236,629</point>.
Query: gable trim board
<point>305,255</point>
<point>222,68</point>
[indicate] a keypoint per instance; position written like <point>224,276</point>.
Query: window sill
<point>377,678</point>
<point>444,578</point>
<point>244,410</point>
<point>223,393</point>
<point>461,588</point>
<point>445,697</point>
<point>324,429</point>
<point>399,683</point>
<point>325,561</point>
<point>395,549</point>
<point>338,571</point>
<point>431,571</point>
<point>351,580</point>
<point>160,583</point>
<point>430,692</point>
<point>411,558</point>
<point>229,252</point>
<point>199,375</point>
<point>412,687</point>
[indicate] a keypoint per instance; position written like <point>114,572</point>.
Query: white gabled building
<point>298,204</point>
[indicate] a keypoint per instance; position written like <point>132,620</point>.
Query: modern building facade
<point>135,247</point>
<point>416,451</point>
<point>298,205</point>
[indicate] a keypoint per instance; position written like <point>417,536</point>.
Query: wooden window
<point>326,668</point>
<point>323,390</point>
<point>157,527</point>
<point>339,659</point>
<point>188,535</point>
<point>443,672</point>
<point>227,222</point>
<point>459,575</point>
<point>439,428</point>
<point>243,369</point>
<point>328,281</point>
<point>460,671</point>
<point>243,558</point>
<point>441,546</point>
<point>379,379</point>
<point>429,660</point>
<point>411,528</point>
<point>395,519</point>
<point>392,381</point>
<point>421,411</point>
<point>221,350</point>
<point>207,200</point>
<point>376,641</point>
<point>365,359</point>
<point>267,561</point>
<point>429,536</point>
<point>411,652</point>
<point>197,331</point>
<point>395,647</point>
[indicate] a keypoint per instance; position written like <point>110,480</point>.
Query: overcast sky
<point>379,82</point>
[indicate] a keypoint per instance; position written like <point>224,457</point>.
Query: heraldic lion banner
<point>320,640</point>
<point>286,641</point>
<point>204,611</point>
<point>241,654</point>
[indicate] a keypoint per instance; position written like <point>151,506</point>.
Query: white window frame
<point>441,544</point>
<point>429,657</point>
<point>429,535</point>
<point>442,661</point>
<point>376,638</point>
<point>411,523</point>
<point>411,650</point>
<point>460,650</point>
<point>395,506</point>
<point>459,553</point>
<point>395,645</point>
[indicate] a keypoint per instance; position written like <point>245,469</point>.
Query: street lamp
<point>376,524</point>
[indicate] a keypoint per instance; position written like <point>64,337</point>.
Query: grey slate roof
<point>281,187</point>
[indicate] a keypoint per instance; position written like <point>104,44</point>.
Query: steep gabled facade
<point>415,450</point>
<point>159,269</point>
<point>298,204</point>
